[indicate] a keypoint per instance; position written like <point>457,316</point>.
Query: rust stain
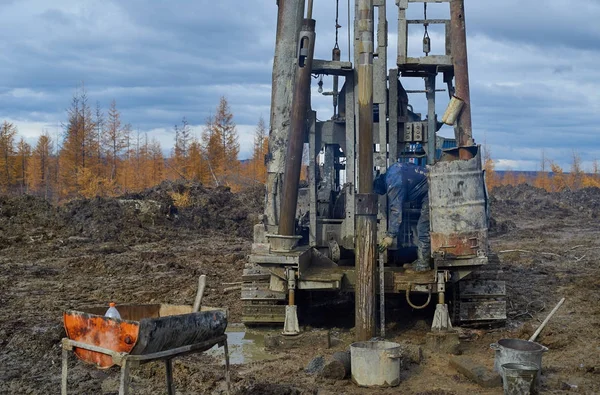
<point>461,245</point>
<point>112,334</point>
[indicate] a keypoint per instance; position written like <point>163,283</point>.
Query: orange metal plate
<point>458,245</point>
<point>115,335</point>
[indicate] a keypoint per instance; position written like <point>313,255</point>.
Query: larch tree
<point>576,175</point>
<point>213,149</point>
<point>7,155</point>
<point>260,151</point>
<point>79,146</point>
<point>114,139</point>
<point>39,175</point>
<point>491,177</point>
<point>225,129</point>
<point>509,178</point>
<point>181,150</point>
<point>559,179</point>
<point>198,165</point>
<point>158,162</point>
<point>542,180</point>
<point>22,164</point>
<point>100,123</point>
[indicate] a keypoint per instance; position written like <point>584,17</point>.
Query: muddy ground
<point>143,248</point>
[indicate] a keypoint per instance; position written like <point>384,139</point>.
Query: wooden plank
<point>431,60</point>
<point>482,311</point>
<point>482,289</point>
<point>476,372</point>
<point>262,294</point>
<point>331,67</point>
<point>263,313</point>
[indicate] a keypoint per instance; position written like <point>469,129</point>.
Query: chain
<point>425,18</point>
<point>337,24</point>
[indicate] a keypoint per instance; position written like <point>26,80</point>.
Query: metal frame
<point>128,361</point>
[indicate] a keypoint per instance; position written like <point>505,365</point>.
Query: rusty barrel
<point>458,207</point>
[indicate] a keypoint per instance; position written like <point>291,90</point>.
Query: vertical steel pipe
<point>366,201</point>
<point>458,37</point>
<point>366,248</point>
<point>293,162</point>
<point>365,96</point>
<point>432,121</point>
<point>289,21</point>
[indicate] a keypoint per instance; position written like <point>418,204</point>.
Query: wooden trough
<point>144,333</point>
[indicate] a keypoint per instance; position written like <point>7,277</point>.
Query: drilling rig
<point>319,237</point>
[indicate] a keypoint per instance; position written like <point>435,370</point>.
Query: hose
<point>411,304</point>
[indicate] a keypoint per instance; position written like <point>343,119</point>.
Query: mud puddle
<point>245,345</point>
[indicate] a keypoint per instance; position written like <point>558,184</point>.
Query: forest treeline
<point>99,154</point>
<point>550,176</point>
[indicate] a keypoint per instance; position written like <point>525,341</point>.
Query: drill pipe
<point>293,163</point>
<point>366,201</point>
<point>289,21</point>
<point>458,42</point>
<point>365,96</point>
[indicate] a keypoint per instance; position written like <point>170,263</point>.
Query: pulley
<point>426,43</point>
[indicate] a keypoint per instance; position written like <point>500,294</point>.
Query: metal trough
<point>144,333</point>
<point>142,329</point>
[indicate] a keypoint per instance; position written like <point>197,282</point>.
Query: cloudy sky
<point>535,79</point>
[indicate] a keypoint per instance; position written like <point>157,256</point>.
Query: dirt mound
<point>167,209</point>
<point>526,201</point>
<point>25,217</point>
<point>125,220</point>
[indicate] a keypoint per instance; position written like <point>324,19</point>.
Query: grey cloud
<point>534,74</point>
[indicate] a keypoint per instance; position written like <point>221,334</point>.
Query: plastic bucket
<point>520,378</point>
<point>375,363</point>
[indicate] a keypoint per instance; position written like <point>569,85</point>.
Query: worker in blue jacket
<point>406,182</point>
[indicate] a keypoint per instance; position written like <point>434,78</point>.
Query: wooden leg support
<point>65,367</point>
<point>169,370</point>
<point>124,382</point>
<point>227,378</point>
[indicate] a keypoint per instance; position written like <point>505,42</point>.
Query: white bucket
<point>375,363</point>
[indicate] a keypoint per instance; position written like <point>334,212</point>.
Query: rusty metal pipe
<point>365,96</point>
<point>289,21</point>
<point>309,11</point>
<point>458,38</point>
<point>366,248</point>
<point>366,201</point>
<point>293,162</point>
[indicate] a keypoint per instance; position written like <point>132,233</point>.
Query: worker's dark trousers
<point>424,240</point>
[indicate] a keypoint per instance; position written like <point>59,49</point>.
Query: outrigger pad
<point>441,319</point>
<point>290,326</point>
